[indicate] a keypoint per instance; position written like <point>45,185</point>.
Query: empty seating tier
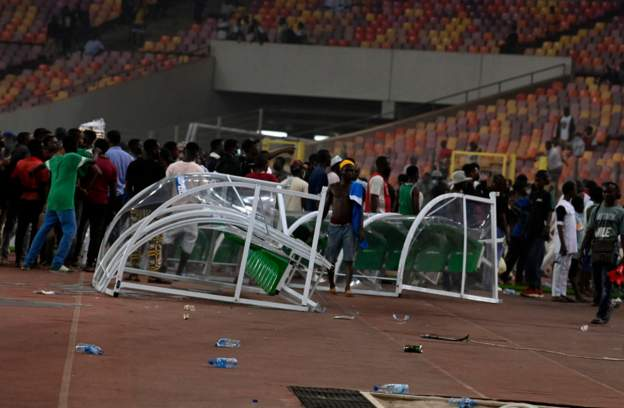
<point>519,125</point>
<point>448,25</point>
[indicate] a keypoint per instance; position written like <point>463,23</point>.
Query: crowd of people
<point>250,29</point>
<point>575,231</point>
<point>59,184</point>
<point>64,181</point>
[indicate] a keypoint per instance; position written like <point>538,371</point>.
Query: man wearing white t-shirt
<point>185,236</point>
<point>566,128</point>
<point>295,183</point>
<point>555,162</point>
<point>567,239</point>
<point>377,195</point>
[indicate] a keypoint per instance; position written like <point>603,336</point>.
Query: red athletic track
<point>154,358</point>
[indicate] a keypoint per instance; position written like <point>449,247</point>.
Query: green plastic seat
<point>371,258</point>
<point>430,260</point>
<point>395,238</point>
<point>266,269</point>
<point>229,250</point>
<point>430,251</point>
<point>455,237</point>
<point>475,249</point>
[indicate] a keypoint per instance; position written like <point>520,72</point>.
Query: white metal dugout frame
<point>211,213</point>
<point>493,241</point>
<point>428,211</point>
<point>176,212</point>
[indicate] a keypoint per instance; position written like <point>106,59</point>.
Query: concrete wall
<point>155,104</point>
<point>367,74</point>
<point>136,107</point>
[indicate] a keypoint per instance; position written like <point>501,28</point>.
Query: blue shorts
<point>340,237</point>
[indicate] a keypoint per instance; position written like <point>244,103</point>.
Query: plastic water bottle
<point>223,362</point>
<point>89,349</point>
<point>392,388</point>
<point>509,291</point>
<point>224,342</point>
<point>462,402</point>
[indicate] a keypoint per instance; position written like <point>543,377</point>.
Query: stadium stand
<point>520,125</point>
<point>77,74</point>
<point>443,26</point>
<point>24,25</point>
<point>593,50</point>
<point>193,41</point>
<point>41,81</point>
<point>12,55</point>
<point>450,25</point>
<point>27,21</point>
<point>477,27</point>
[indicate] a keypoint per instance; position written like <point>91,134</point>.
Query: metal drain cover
<point>330,398</point>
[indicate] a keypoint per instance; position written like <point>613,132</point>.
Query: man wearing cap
<point>460,183</point>
<point>340,233</point>
<point>332,176</point>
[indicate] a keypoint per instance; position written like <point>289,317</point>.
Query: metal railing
<point>435,103</point>
<point>499,84</point>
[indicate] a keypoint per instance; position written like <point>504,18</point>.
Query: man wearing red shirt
<point>32,188</point>
<point>101,192</point>
<point>444,158</point>
<point>259,171</point>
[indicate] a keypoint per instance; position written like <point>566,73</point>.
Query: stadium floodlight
<point>320,138</point>
<point>273,133</point>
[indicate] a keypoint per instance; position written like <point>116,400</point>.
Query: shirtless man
<point>341,235</point>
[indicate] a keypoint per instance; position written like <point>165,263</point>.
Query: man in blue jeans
<point>536,233</point>
<point>341,234</point>
<point>60,204</point>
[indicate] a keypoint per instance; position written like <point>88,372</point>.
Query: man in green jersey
<point>60,204</point>
<point>410,197</point>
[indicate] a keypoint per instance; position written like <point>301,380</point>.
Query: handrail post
<point>260,119</point>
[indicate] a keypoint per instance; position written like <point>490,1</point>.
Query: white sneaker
<point>61,269</point>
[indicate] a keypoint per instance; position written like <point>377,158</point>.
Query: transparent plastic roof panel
<point>230,234</point>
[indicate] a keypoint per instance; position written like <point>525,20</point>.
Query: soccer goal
<point>490,163</point>
<point>204,133</point>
